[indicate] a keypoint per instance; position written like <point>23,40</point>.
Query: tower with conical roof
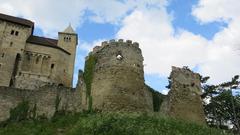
<point>68,40</point>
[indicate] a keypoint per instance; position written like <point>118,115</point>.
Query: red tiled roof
<point>17,20</point>
<point>45,42</point>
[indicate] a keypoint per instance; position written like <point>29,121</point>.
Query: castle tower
<point>14,32</point>
<point>118,78</point>
<point>68,40</point>
<point>184,101</point>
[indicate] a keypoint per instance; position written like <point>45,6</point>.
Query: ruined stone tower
<point>118,78</point>
<point>184,101</point>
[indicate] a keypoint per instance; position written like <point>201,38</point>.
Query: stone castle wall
<point>10,46</point>
<point>118,79</point>
<point>184,101</point>
<point>39,63</point>
<point>44,99</point>
<point>42,65</point>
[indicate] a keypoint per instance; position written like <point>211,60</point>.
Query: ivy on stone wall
<point>57,102</point>
<point>88,77</point>
<point>20,112</point>
<point>157,98</point>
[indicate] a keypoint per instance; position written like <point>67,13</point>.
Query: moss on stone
<point>20,112</point>
<point>88,76</point>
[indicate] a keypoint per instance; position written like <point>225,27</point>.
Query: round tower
<point>118,78</point>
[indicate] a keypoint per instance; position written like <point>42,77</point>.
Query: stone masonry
<point>118,79</point>
<point>44,99</point>
<point>40,70</point>
<point>184,101</point>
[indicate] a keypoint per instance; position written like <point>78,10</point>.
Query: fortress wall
<point>118,79</point>
<point>184,101</point>
<point>36,69</point>
<point>10,46</point>
<point>44,99</point>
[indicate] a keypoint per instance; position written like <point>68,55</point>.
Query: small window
<point>11,43</point>
<point>0,65</point>
<point>67,39</point>
<point>16,33</point>
<point>12,32</point>
<point>52,66</point>
<point>3,55</point>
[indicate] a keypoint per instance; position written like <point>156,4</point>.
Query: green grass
<point>106,124</point>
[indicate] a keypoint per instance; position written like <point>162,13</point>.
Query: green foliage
<point>88,76</point>
<point>88,72</point>
<point>21,112</point>
<point>157,99</point>
<point>223,106</point>
<point>107,124</point>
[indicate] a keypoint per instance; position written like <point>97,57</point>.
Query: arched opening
<point>15,69</point>
<point>60,84</point>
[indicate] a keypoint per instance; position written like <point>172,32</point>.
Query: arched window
<point>67,39</point>
<point>37,60</point>
<point>52,66</point>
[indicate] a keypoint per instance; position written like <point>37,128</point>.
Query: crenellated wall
<point>118,78</point>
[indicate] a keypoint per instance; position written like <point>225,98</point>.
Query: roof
<point>69,30</point>
<point>48,42</point>
<point>17,20</point>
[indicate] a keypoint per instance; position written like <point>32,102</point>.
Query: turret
<point>68,40</point>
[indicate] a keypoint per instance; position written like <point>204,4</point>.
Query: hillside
<point>106,124</point>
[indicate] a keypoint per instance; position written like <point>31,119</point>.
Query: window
<point>67,39</point>
<point>12,32</point>
<point>11,43</point>
<point>52,66</point>
<point>3,55</point>
<point>37,60</point>
<point>16,33</point>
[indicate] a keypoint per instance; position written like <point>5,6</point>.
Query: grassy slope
<point>106,124</point>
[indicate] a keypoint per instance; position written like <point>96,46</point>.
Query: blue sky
<point>182,19</point>
<point>201,34</point>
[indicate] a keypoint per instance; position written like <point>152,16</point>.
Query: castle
<point>28,61</point>
<point>39,70</point>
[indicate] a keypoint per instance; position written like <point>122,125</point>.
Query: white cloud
<point>216,10</point>
<point>148,23</point>
<point>165,91</point>
<point>223,55</point>
<point>162,48</point>
<point>53,15</point>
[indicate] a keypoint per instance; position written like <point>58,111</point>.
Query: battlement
<point>112,43</point>
<point>120,41</point>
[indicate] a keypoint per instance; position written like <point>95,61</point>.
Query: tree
<point>223,106</point>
